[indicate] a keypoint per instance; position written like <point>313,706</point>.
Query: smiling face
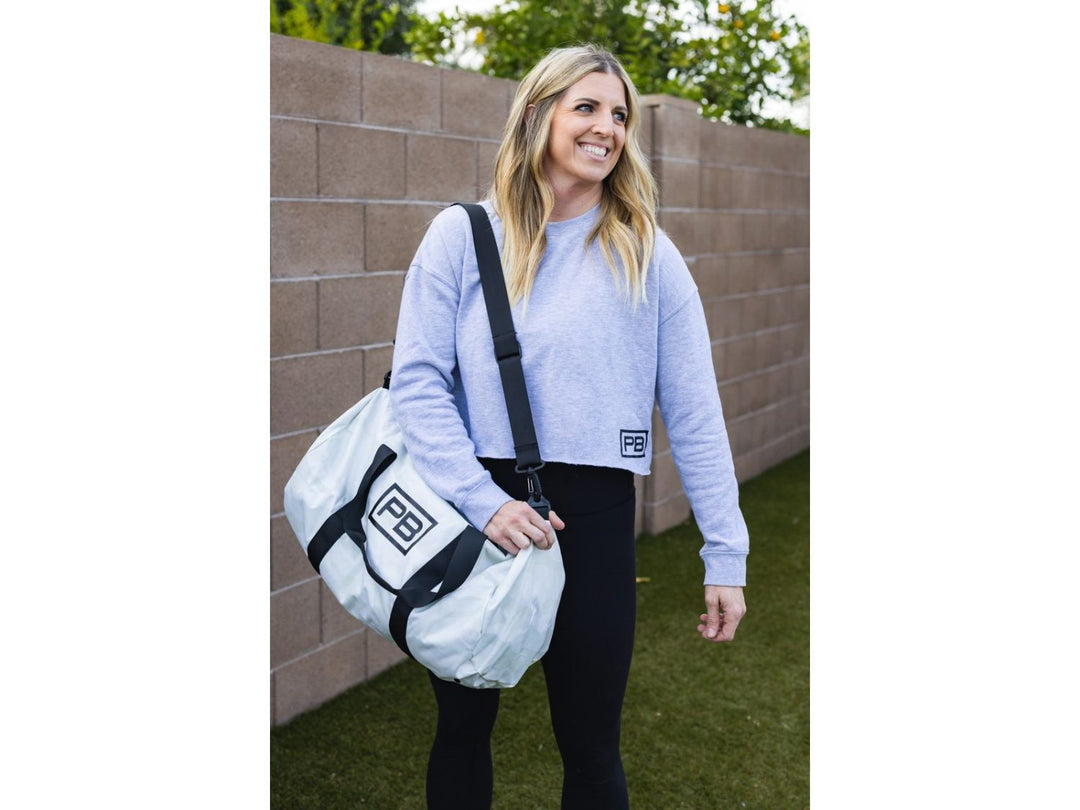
<point>588,129</point>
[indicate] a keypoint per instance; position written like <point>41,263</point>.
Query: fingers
<point>556,521</point>
<point>712,619</point>
<point>517,524</point>
<point>725,608</point>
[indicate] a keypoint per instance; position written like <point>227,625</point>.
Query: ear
<point>529,112</point>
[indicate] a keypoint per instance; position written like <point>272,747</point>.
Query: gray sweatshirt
<point>594,365</point>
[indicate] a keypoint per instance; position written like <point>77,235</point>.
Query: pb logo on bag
<point>401,519</point>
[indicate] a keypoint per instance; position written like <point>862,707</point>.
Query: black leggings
<point>586,666</point>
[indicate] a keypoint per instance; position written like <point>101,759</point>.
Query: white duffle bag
<point>404,562</point>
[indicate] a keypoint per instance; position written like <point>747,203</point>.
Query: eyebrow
<point>594,102</point>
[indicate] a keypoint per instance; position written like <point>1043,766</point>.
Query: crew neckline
<point>591,213</point>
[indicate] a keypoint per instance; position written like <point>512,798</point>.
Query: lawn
<point>704,726</point>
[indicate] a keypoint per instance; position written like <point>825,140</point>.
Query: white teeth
<point>599,151</point>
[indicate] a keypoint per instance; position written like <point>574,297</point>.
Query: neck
<point>573,202</point>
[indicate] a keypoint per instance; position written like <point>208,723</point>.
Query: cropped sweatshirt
<point>595,364</point>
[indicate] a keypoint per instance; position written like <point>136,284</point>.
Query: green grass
<point>704,726</point>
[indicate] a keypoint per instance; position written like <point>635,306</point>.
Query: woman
<point>610,323</point>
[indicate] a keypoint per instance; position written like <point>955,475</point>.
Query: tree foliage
<point>731,58</point>
<point>365,25</point>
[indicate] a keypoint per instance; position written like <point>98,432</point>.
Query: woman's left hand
<point>725,607</point>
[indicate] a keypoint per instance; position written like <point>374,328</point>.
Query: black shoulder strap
<point>507,353</point>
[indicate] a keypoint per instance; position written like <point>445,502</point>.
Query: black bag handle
<point>507,355</point>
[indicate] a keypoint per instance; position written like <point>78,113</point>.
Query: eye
<point>620,116</point>
<point>584,107</point>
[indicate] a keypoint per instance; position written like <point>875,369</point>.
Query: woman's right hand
<point>517,524</point>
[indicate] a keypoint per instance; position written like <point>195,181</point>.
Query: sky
<point>798,113</point>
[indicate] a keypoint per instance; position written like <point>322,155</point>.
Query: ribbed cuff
<point>725,569</point>
<point>482,503</point>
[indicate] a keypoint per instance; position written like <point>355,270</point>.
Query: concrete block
<point>711,276</point>
<point>800,303</point>
<point>802,339</point>
<point>336,621</point>
<point>313,238</point>
<point>678,183</point>
<point>748,466</point>
<point>325,673</point>
<point>801,156</point>
<point>377,362</point>
<point>359,310</point>
<point>799,192</point>
<point>720,361</point>
<point>293,160</point>
<point>722,316</point>
<point>708,238</point>
<point>294,621</point>
<point>725,232</point>
<point>664,476</point>
<point>755,313</point>
<point>293,317</point>
<point>781,230</point>
<point>381,654</point>
<point>772,148</point>
<point>747,190</point>
<point>660,442</point>
<point>645,131</point>
<point>778,384</point>
<point>358,162</point>
<point>313,80</point>
<point>742,273</point>
<point>729,399</point>
<point>767,349</point>
<point>790,192</point>
<point>400,93</point>
<point>756,231</point>
<point>675,126</point>
<point>716,140</point>
<point>716,187</point>
<point>731,145</point>
<point>753,393</point>
<point>485,168</point>
<point>788,343</point>
<point>285,454</point>
<point>759,425</point>
<point>763,269</point>
<point>739,356</point>
<point>394,233</point>
<point>796,267</point>
<point>288,562</point>
<point>770,189</point>
<point>800,376</point>
<point>440,168</point>
<point>662,515</point>
<point>314,390</point>
<point>475,105</point>
<point>681,227</point>
<point>802,230</point>
<point>780,312</point>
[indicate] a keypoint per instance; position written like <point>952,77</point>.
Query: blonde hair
<point>523,197</point>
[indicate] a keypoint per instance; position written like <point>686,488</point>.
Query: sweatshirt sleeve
<point>686,392</point>
<point>422,381</point>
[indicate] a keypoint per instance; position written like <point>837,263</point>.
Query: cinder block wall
<point>365,150</point>
<point>736,201</point>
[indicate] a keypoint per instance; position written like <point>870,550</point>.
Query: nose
<point>602,125</point>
